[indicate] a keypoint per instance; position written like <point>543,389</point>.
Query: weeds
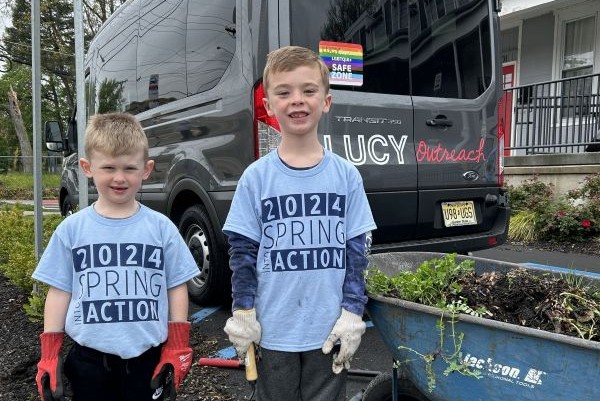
<point>567,304</point>
<point>430,284</point>
<point>453,359</point>
<point>582,315</point>
<point>433,283</point>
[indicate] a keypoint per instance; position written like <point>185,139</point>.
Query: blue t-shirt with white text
<point>301,220</point>
<point>118,272</point>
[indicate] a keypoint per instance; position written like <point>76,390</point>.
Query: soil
<point>523,302</point>
<point>551,303</point>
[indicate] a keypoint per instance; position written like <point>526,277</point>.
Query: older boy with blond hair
<point>297,230</point>
<point>117,274</point>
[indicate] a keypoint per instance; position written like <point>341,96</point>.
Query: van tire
<point>380,389</point>
<point>213,283</point>
<point>67,207</point>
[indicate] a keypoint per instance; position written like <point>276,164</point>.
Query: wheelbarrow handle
<point>220,363</point>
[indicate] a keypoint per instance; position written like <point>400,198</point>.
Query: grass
<point>522,226</point>
<point>20,186</point>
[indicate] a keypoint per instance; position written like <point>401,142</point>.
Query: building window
<point>510,44</point>
<point>578,60</point>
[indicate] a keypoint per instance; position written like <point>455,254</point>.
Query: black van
<point>415,86</point>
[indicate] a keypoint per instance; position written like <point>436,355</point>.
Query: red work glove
<point>49,374</point>
<point>175,360</point>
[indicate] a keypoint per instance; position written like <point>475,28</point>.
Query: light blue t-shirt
<point>118,272</point>
<point>301,219</point>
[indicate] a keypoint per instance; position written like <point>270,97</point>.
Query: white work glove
<point>349,329</point>
<point>243,330</point>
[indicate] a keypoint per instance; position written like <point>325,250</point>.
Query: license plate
<point>459,213</point>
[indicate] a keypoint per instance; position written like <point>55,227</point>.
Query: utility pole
<point>80,96</point>
<point>37,125</point>
<point>37,114</point>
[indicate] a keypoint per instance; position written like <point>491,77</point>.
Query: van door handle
<point>439,122</point>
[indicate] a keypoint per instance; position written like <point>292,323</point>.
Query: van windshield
<point>431,48</point>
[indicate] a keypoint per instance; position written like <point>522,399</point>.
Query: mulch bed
<point>590,247</point>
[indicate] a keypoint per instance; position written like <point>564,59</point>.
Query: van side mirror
<point>54,139</point>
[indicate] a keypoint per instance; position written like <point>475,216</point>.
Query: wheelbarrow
<point>512,362</point>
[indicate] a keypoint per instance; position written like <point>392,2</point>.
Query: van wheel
<point>67,207</point>
<point>213,283</point>
<point>380,389</point>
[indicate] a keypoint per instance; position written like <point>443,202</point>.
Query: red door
<point>505,105</point>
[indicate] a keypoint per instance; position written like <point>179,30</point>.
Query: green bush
<point>538,215</point>
<point>589,190</point>
<point>587,198</point>
<point>531,195</point>
<point>17,247</point>
<point>564,221</point>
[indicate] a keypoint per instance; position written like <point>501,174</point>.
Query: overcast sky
<point>4,21</point>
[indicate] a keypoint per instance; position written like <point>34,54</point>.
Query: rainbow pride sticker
<point>345,62</point>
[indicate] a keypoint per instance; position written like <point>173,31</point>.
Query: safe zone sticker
<point>345,62</point>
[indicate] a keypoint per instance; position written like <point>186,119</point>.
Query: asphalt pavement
<point>527,255</point>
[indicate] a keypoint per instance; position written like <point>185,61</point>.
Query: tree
<point>110,94</point>
<point>24,143</point>
<point>342,14</point>
<point>57,54</point>
<point>19,78</point>
<point>56,38</point>
<point>96,12</point>
<point>57,43</point>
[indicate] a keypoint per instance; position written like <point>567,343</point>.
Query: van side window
<point>380,27</point>
<point>210,42</point>
<point>410,47</point>
<point>116,84</point>
<point>447,42</point>
<point>161,53</point>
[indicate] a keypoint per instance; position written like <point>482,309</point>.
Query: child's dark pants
<point>298,376</point>
<point>98,376</point>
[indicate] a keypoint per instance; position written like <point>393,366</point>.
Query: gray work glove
<point>243,330</point>
<point>348,329</point>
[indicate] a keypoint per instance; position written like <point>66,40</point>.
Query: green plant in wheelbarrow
<point>431,284</point>
<point>564,304</point>
<point>434,283</point>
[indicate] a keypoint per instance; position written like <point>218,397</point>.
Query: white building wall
<point>541,24</point>
<point>511,6</point>
<point>537,47</point>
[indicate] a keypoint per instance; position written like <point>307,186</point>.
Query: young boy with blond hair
<point>297,233</point>
<point>117,274</point>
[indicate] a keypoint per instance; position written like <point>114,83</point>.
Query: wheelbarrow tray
<point>516,363</point>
